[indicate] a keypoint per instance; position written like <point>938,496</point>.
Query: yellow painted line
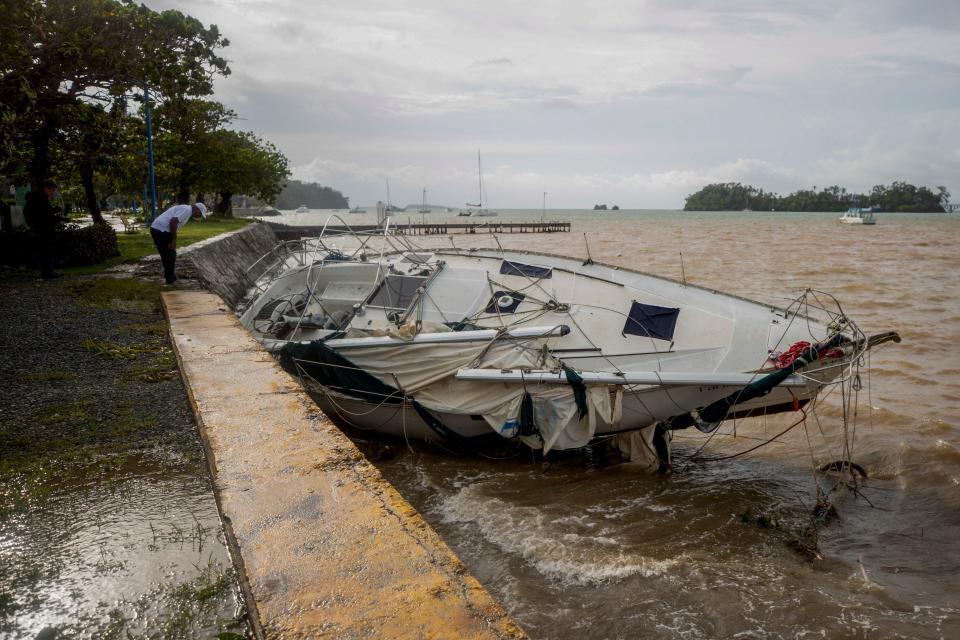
<point>325,547</point>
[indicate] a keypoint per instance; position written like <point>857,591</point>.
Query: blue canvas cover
<point>529,270</point>
<point>651,321</point>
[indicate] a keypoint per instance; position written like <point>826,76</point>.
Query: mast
<point>480,179</point>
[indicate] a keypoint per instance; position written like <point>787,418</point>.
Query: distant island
<point>603,207</point>
<point>311,194</point>
<point>899,196</point>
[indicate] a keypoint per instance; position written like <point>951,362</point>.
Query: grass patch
<point>116,351</point>
<point>47,376</point>
<point>72,412</point>
<point>127,422</point>
<point>134,246</point>
<point>155,329</point>
<point>122,294</point>
<point>162,367</point>
<point>188,600</point>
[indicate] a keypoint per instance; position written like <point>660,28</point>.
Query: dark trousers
<point>168,256</point>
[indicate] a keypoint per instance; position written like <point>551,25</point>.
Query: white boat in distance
<point>479,211</point>
<point>390,207</point>
<point>358,209</point>
<point>856,215</point>
<point>467,346</point>
<point>303,209</point>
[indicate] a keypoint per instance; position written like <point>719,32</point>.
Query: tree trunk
<point>93,206</point>
<point>40,162</point>
<point>224,207</point>
<point>37,210</point>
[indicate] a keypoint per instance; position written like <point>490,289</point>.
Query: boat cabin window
<point>651,321</point>
<point>396,292</point>
<point>529,270</point>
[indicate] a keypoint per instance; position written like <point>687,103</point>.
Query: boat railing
<point>318,262</point>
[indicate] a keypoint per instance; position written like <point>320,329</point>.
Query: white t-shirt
<point>182,212</point>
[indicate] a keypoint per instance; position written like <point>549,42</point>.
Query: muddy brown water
<point>608,553</point>
<point>605,552</point>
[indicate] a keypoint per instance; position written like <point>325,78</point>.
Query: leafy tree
<point>239,162</point>
<point>91,147</point>
<point>183,129</point>
<point>732,196</point>
<point>58,54</point>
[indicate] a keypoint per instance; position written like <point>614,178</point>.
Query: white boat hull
<point>566,350</point>
<point>642,406</point>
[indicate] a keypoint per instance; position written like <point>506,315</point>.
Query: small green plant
<point>162,367</point>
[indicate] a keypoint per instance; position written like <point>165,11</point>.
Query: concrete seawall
<point>324,546</point>
<point>221,262</point>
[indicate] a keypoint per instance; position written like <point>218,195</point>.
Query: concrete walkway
<point>325,547</point>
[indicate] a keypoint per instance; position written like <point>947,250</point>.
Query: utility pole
<point>543,212</point>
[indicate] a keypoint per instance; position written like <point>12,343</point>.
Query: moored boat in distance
<point>358,209</point>
<point>479,211</point>
<point>468,346</point>
<point>303,209</point>
<point>856,215</point>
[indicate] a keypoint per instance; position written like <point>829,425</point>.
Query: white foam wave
<point>563,548</point>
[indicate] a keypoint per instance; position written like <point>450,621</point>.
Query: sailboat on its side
<point>479,211</point>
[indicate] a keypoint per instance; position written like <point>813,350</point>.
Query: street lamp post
<point>543,212</point>
<point>153,181</point>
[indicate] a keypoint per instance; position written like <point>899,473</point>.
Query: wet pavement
<point>108,526</point>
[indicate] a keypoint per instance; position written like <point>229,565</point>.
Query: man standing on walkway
<point>164,234</point>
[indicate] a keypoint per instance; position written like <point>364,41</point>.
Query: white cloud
<point>643,102</point>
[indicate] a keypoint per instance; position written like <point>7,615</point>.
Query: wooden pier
<point>439,228</point>
<point>447,228</point>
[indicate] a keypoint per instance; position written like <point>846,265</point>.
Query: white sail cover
<point>426,372</point>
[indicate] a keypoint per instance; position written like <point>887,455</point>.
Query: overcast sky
<point>621,102</point>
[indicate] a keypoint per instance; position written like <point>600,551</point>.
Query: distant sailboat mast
<point>390,208</point>
<point>480,211</point>
<point>479,183</point>
<point>480,179</point>
<point>423,205</point>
